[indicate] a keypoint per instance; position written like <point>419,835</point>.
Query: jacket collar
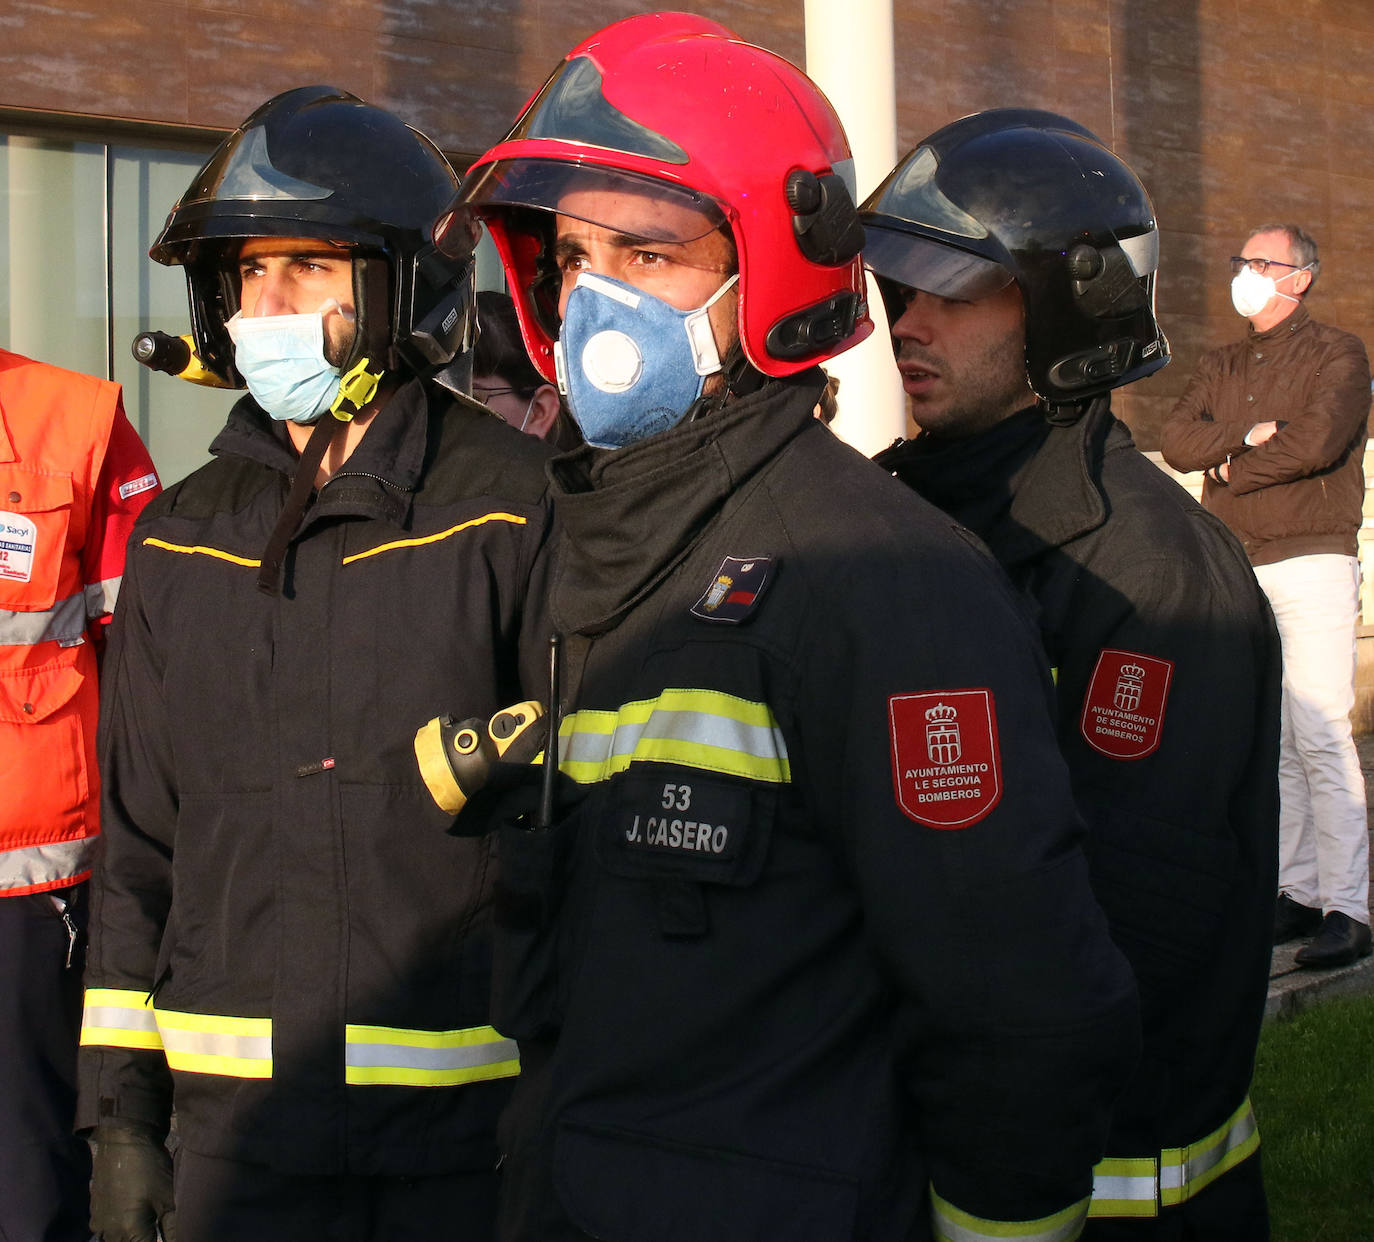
<point>380,475</point>
<point>1023,485</point>
<point>627,516</point>
<point>1288,326</point>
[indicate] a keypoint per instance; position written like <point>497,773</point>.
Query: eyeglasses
<point>1259,266</point>
<point>484,395</point>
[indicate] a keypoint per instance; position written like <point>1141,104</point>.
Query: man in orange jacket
<point>73,477</point>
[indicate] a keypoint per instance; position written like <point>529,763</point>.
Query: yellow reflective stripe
<point>443,534</point>
<point>199,549</point>
<point>702,729</point>
<point>199,1043</point>
<point>390,1056</point>
<point>118,1018</point>
<point>1185,1171</point>
<point>952,1224</point>
<point>1126,1187</point>
<point>1137,1186</point>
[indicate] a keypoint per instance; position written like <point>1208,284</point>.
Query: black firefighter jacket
<point>274,873</point>
<point>1168,673</point>
<point>818,939</point>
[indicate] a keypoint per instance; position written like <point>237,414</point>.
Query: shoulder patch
<point>135,486</point>
<point>946,762</point>
<point>735,591</point>
<point>1123,709</point>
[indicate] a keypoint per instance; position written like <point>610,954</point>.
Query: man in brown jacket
<point>1278,423</point>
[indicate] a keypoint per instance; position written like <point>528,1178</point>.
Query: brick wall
<point>1234,112</point>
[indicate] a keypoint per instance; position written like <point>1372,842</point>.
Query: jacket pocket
<point>685,834</point>
<point>671,824</point>
<point>35,514</point>
<point>627,1187</point>
<point>61,698</point>
<point>35,695</point>
<point>531,878</point>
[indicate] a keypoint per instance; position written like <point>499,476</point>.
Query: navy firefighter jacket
<point>274,874</point>
<point>815,955</point>
<point>1168,684</point>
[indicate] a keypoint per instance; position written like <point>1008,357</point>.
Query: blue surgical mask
<point>630,364</point>
<point>281,359</point>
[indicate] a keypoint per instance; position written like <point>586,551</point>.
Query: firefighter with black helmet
<point>288,946</point>
<point>811,953</point>
<point>1016,256</point>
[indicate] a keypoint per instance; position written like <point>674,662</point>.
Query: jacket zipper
<point>363,474</point>
<point>64,910</point>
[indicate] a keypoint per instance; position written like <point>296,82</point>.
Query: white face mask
<point>1250,292</point>
<point>281,359</point>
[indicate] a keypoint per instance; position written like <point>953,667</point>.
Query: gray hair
<point>1303,247</point>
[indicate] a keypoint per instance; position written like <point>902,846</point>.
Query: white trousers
<point>1323,829</point>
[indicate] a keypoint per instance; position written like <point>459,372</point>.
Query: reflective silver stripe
<point>1140,1185</point>
<point>1184,1171</point>
<point>378,1056</point>
<point>210,1044</point>
<point>1135,1189</point>
<point>34,865</point>
<point>704,729</point>
<point>1126,1187</point>
<point>372,1055</point>
<point>955,1225</point>
<point>118,1018</point>
<point>758,740</point>
<point>206,1044</point>
<point>102,596</point>
<point>64,621</point>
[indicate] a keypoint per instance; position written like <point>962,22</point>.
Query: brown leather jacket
<point>1301,492</point>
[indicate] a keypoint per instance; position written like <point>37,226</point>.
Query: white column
<point>849,54</point>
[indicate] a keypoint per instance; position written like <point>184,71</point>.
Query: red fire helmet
<point>675,110</point>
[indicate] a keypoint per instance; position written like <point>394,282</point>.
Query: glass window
<point>76,283</point>
<point>176,419</point>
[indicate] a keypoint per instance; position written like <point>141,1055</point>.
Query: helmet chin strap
<point>1064,413</point>
<point>357,387</point>
<point>357,390</point>
<point>741,379</point>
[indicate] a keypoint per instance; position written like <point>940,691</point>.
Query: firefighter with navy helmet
<point>1016,256</point>
<point>809,950</point>
<point>288,946</point>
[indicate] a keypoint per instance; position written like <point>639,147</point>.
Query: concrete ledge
<point>1293,988</point>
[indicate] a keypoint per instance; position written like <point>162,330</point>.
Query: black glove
<point>131,1184</point>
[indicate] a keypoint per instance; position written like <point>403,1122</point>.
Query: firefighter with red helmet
<point>811,952</point>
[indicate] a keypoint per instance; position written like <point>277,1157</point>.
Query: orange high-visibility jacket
<point>73,477</point>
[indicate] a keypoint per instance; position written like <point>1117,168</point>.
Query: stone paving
<point>1293,988</point>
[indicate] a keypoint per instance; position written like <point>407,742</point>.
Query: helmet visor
<point>629,203</point>
<point>572,107</point>
<point>932,267</point>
